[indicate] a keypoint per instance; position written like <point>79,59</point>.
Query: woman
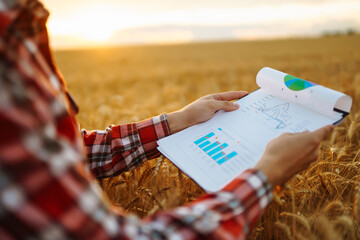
<point>42,191</point>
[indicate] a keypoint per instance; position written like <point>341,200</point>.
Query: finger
<point>312,140</point>
<point>309,159</point>
<point>314,156</point>
<point>228,96</point>
<point>323,132</point>
<point>224,105</point>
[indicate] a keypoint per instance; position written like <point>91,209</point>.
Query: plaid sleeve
<point>123,147</point>
<point>227,214</point>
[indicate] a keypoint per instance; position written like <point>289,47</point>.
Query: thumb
<point>225,105</point>
<point>323,132</point>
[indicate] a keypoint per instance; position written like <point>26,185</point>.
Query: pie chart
<point>297,84</point>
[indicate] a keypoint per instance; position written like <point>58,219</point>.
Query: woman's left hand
<point>203,109</point>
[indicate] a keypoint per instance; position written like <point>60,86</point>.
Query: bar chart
<point>215,147</point>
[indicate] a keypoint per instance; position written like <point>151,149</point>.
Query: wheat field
<point>129,84</point>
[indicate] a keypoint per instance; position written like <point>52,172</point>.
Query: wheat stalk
<point>284,229</point>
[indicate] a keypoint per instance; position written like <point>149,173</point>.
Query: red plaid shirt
<point>42,192</point>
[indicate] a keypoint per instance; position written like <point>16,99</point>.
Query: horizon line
<point>210,41</point>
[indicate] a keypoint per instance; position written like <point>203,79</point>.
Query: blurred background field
<point>129,84</point>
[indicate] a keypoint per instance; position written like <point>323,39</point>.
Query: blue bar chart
<point>215,148</point>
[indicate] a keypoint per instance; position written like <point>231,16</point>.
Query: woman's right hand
<point>290,153</point>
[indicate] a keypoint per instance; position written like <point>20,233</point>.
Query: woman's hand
<point>290,153</point>
<point>203,109</point>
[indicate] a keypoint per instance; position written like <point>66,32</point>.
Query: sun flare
<point>84,23</point>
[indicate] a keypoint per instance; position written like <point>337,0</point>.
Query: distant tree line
<point>344,32</point>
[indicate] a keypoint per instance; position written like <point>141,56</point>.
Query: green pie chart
<point>297,84</point>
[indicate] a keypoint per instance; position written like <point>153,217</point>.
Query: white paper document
<point>213,153</point>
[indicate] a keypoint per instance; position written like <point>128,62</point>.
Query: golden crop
<point>127,84</point>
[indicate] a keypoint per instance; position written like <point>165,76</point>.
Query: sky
<point>96,23</point>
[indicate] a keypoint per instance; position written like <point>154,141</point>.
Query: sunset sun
<point>95,23</point>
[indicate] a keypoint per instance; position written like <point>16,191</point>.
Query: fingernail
<point>236,105</point>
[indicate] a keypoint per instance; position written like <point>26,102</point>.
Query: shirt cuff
<point>256,189</point>
<point>163,128</point>
<point>154,128</point>
<point>150,131</point>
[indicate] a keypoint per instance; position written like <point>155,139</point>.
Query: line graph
<point>277,113</point>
